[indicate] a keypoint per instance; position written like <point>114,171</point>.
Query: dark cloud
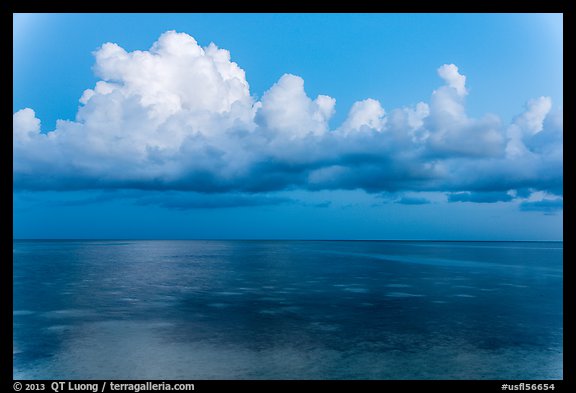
<point>188,201</point>
<point>548,206</point>
<point>405,200</point>
<point>480,197</point>
<point>179,200</point>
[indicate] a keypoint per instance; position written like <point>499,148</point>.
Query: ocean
<point>287,310</point>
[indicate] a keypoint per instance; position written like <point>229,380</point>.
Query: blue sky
<point>344,126</point>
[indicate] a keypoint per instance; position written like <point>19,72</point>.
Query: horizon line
<point>286,239</point>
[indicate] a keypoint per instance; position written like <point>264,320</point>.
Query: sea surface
<point>287,310</point>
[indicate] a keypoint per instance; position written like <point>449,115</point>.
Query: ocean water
<point>287,310</point>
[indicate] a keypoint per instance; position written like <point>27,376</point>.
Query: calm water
<point>287,310</point>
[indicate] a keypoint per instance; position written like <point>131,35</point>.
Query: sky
<point>288,126</point>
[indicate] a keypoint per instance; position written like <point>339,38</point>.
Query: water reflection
<point>288,310</point>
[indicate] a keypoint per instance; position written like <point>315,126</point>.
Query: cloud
<point>407,200</point>
<point>367,114</point>
<point>175,75</point>
<point>177,200</point>
<point>527,125</point>
<point>480,197</point>
<point>286,108</point>
<point>548,206</point>
<point>181,117</point>
<point>532,120</point>
<point>25,125</point>
<point>453,78</point>
<point>192,200</point>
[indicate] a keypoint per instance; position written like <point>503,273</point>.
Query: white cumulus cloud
<point>367,114</point>
<point>181,117</point>
<point>286,108</point>
<point>25,125</point>
<point>453,79</point>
